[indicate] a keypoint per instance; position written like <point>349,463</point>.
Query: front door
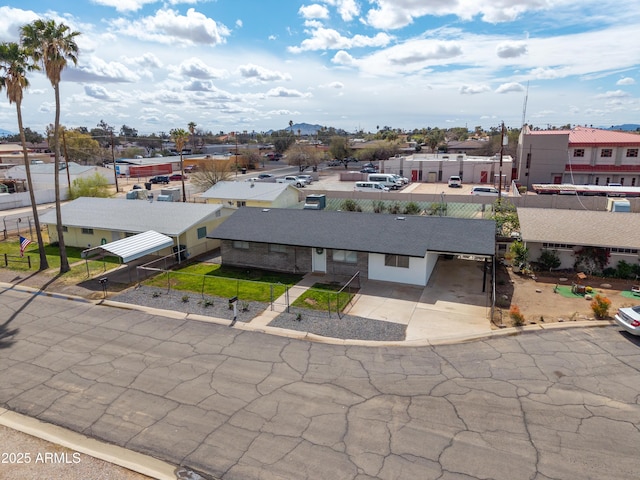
<point>319,260</point>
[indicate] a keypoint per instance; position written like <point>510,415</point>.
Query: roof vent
<point>266,209</point>
<point>401,218</point>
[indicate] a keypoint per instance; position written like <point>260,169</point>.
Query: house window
<point>241,203</point>
<point>606,152</point>
<point>632,152</point>
<point>624,250</point>
<point>345,256</point>
<point>202,232</point>
<point>560,246</point>
<point>277,248</point>
<point>240,245</point>
<point>578,152</point>
<point>64,228</point>
<point>401,261</point>
<point>87,231</point>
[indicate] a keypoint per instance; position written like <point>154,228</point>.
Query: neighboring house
<point>432,168</point>
<point>11,154</point>
<point>89,222</point>
<point>568,231</point>
<point>466,146</point>
<point>252,194</point>
<point>43,178</point>
<point>402,249</point>
<point>581,156</point>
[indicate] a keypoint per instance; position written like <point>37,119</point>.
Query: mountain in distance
<point>5,133</point>
<point>626,127</point>
<point>305,129</point>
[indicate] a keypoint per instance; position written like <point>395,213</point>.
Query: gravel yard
<point>312,321</point>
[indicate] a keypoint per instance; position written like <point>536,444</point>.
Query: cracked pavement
<point>237,404</point>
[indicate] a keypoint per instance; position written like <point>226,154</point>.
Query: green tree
<point>14,65</point>
<point>53,44</point>
<point>29,135</point>
<point>95,185</point>
<point>180,137</point>
<point>520,254</point>
<point>339,148</point>
<point>81,148</point>
<point>192,130</point>
<point>506,217</point>
<point>549,259</point>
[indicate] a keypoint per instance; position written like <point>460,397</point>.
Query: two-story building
<point>580,156</point>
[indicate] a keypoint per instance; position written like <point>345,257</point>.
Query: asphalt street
<point>237,404</point>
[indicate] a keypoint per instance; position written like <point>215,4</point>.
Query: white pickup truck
<point>293,180</point>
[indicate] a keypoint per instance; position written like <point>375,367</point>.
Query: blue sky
<point>354,64</point>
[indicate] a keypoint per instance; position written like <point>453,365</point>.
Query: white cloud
<point>285,92</point>
<point>239,23</point>
<point>336,85</point>
<point>330,39</point>
<point>423,51</point>
<point>12,20</point>
<point>256,72</point>
<point>99,92</point>
<point>124,5</point>
<point>626,81</point>
<point>473,89</point>
<point>314,11</point>
<point>147,60</point>
<point>511,49</point>
<point>169,27</point>
<point>196,68</point>
<point>348,9</point>
<point>614,94</point>
<point>510,87</point>
<point>95,69</point>
<point>343,58</point>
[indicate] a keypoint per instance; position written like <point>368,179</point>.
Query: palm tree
<point>180,137</point>
<point>192,130</point>
<point>14,64</point>
<point>53,44</point>
<point>291,126</point>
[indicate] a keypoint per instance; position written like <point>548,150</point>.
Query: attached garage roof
<point>132,248</point>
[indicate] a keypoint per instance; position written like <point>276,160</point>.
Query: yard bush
<point>600,306</point>
<point>516,316</point>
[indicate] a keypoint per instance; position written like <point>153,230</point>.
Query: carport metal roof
<point>131,248</point>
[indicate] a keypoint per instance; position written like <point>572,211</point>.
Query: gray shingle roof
<point>580,227</point>
<point>170,218</point>
<point>266,191</point>
<point>368,232</point>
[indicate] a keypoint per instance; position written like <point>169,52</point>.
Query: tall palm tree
<point>14,65</point>
<point>192,130</point>
<point>53,44</point>
<point>180,137</point>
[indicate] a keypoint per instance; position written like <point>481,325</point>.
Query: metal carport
<point>131,248</point>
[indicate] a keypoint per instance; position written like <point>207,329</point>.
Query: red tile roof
<point>593,136</point>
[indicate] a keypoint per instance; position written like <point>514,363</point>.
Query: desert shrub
<point>349,205</point>
<point>549,260</point>
<point>600,306</point>
<point>412,208</point>
<point>394,209</point>
<point>378,206</point>
<point>516,316</point>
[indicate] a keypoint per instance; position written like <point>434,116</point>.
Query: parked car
<point>368,170</point>
<point>334,163</point>
<point>264,176</point>
<point>370,187</point>
<point>404,180</point>
<point>159,179</point>
<point>176,176</point>
<point>370,165</point>
<point>307,178</point>
<point>486,191</point>
<point>455,181</point>
<point>136,187</point>
<point>629,319</point>
<point>293,180</point>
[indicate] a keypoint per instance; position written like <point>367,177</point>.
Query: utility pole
<point>113,158</point>
<point>501,151</point>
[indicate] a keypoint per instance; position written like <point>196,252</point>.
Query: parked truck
<point>293,180</point>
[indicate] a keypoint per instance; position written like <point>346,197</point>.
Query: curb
<point>107,452</point>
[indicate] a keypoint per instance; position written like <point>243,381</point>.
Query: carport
<point>130,248</point>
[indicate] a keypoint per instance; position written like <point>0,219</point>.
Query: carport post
<point>484,276</point>
<point>86,262</point>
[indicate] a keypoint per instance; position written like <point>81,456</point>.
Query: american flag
<point>24,242</point>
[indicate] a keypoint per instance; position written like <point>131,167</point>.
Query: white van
<point>386,179</point>
<point>370,187</point>
<point>487,191</point>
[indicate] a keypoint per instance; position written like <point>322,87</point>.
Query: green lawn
<point>226,282</point>
<point>323,297</point>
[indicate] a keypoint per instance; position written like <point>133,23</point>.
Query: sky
<point>255,65</point>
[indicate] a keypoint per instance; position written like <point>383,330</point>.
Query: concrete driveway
<point>452,303</point>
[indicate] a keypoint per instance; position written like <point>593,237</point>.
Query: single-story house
<point>392,248</point>
<point>89,222</point>
<point>568,231</point>
<point>43,178</point>
<point>252,194</point>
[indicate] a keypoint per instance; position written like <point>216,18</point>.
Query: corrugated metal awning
<point>132,248</point>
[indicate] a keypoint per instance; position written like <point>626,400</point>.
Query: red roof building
<point>581,156</point>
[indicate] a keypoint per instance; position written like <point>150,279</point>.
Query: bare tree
<point>210,173</point>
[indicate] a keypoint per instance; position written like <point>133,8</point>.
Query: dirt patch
<point>539,301</point>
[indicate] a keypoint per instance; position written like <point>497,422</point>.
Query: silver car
<point>629,319</point>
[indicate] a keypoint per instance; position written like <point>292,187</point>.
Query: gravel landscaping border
<point>349,327</point>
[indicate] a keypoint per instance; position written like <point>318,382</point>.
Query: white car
<point>629,319</point>
<point>455,181</point>
<point>306,178</point>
